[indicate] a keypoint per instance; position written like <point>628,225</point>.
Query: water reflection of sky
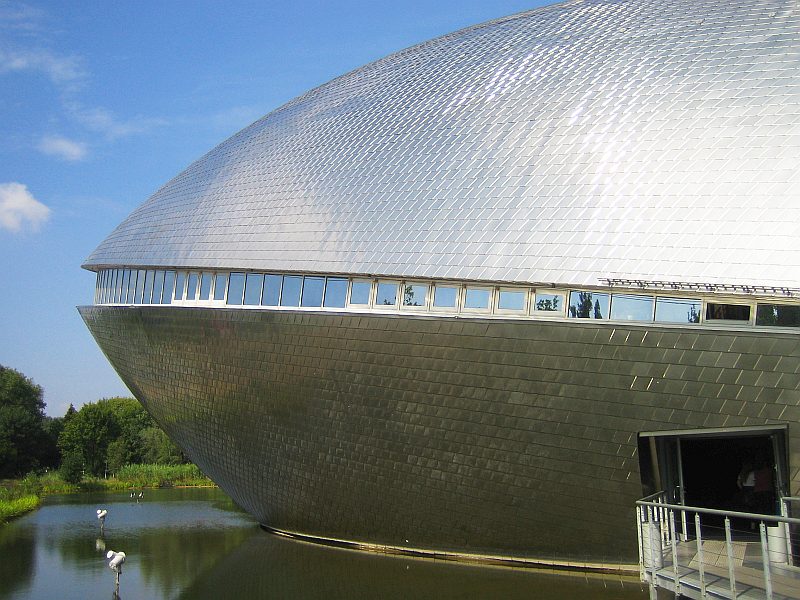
<point>195,544</point>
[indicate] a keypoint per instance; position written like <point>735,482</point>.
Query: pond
<point>194,543</point>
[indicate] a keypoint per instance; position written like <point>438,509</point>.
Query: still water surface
<point>194,543</point>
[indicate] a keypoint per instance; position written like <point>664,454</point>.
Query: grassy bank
<point>162,476</point>
<point>15,507</point>
<point>20,496</point>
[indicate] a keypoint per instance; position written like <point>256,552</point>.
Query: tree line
<point>97,440</point>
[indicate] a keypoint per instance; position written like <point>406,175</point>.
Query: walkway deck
<point>682,553</point>
<point>748,573</point>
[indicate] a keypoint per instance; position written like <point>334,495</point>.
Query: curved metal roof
<point>582,141</point>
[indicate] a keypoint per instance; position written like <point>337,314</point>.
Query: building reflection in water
<point>194,544</point>
<point>267,566</point>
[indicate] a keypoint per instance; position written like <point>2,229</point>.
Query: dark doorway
<point>715,471</point>
<point>736,469</point>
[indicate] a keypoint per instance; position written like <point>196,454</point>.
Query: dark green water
<point>195,544</point>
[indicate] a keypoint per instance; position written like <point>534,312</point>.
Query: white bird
<point>101,514</point>
<point>117,558</point>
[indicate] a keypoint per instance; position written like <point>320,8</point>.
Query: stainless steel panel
<point>583,140</point>
<point>515,438</point>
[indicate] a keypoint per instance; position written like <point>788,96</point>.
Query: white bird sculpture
<point>101,516</point>
<point>117,558</point>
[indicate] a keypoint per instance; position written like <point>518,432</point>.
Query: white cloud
<point>20,17</point>
<point>105,122</point>
<point>59,69</point>
<point>56,145</point>
<point>26,50</point>
<point>17,206</point>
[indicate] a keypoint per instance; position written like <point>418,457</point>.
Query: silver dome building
<point>481,295</point>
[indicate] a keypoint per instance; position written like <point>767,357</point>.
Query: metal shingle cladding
<point>584,140</point>
<point>517,438</point>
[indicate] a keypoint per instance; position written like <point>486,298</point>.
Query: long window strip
<point>137,286</point>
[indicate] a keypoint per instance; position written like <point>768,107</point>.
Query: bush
<point>72,468</point>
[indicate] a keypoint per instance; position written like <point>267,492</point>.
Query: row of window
<point>148,286</point>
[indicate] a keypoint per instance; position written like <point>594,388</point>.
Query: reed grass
<point>162,476</point>
<point>19,496</point>
<point>17,507</point>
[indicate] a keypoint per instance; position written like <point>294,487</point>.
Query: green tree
<point>112,433</point>
<point>548,304</point>
<point>23,441</point>
<point>88,433</point>
<point>108,434</point>
<point>132,419</point>
<point>52,426</point>
<point>72,467</point>
<point>71,412</point>
<point>584,307</point>
<point>118,455</point>
<point>159,449</point>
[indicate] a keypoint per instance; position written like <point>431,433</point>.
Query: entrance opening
<point>729,473</point>
<point>733,469</point>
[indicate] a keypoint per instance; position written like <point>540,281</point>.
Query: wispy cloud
<point>27,48</point>
<point>20,17</point>
<point>103,121</point>
<point>66,149</point>
<point>18,208</point>
<point>61,70</point>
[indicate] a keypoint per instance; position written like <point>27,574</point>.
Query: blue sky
<point>103,102</point>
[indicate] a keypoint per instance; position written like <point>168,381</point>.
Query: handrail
<point>659,540</point>
<point>714,511</point>
<point>651,496</point>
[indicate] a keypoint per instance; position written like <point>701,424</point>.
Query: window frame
<point>413,307</point>
<point>158,278</point>
<point>283,291</point>
<point>589,318</point>
<point>678,298</point>
<point>728,322</point>
<point>470,310</point>
<point>550,314</point>
<point>372,292</point>
<point>329,278</point>
<point>526,293</point>
<point>614,295</point>
<point>228,288</point>
<point>321,295</point>
<point>215,285</point>
<point>386,307</point>
<point>459,288</point>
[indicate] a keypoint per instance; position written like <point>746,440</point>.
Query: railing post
<point>685,531</point>
<point>674,541</point>
<point>639,519</point>
<point>729,549</point>
<point>787,531</point>
<point>653,591</point>
<point>702,566</point>
<point>765,560</point>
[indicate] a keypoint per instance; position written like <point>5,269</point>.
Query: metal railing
<point>684,549</point>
